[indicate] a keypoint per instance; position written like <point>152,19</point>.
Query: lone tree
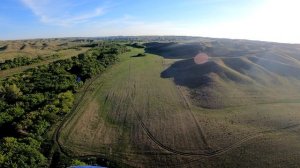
<point>140,55</point>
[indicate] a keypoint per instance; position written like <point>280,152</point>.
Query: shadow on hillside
<point>187,73</point>
<point>238,61</point>
<point>174,50</point>
<point>253,69</point>
<point>220,48</point>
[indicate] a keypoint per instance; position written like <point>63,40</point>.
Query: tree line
<point>32,101</point>
<point>23,61</point>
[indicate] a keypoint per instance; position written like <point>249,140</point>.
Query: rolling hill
<point>245,72</point>
<point>238,107</point>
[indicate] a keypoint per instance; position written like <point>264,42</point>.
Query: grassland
<point>134,117</point>
<point>63,55</point>
<point>34,48</point>
<point>239,109</point>
<point>62,48</point>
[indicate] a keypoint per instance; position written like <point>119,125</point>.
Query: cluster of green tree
<point>32,101</point>
<point>2,48</point>
<point>89,45</point>
<point>137,45</point>
<point>16,62</point>
<point>22,61</point>
<point>140,55</point>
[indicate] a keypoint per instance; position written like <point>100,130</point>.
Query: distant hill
<point>238,72</point>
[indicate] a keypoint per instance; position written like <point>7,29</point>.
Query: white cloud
<point>60,12</point>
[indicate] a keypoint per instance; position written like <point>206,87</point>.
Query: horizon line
<point>112,36</point>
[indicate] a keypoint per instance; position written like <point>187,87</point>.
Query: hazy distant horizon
<point>113,36</point>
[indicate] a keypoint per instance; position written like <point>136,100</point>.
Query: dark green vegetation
<point>140,55</point>
<point>22,61</point>
<point>32,101</point>
<point>3,48</point>
<point>137,45</point>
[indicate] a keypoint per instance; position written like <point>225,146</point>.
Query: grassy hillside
<point>49,50</point>
<point>244,72</point>
<point>170,112</point>
<point>39,47</point>
<point>126,108</point>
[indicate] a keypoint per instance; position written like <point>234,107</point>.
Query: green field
<point>132,116</point>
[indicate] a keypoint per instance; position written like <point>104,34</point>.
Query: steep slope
<point>236,73</point>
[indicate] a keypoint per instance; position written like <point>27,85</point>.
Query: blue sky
<point>270,20</point>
